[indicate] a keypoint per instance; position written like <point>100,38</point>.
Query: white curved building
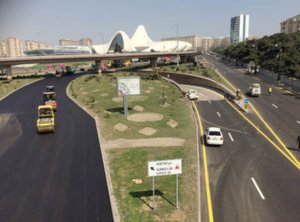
<point>140,42</point>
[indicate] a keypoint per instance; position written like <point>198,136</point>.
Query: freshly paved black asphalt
<point>232,165</point>
<point>50,177</point>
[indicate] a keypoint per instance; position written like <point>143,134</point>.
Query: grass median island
<point>199,70</point>
<point>131,142</point>
<point>7,87</point>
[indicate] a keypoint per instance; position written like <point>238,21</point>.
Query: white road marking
<point>219,114</point>
<point>209,101</point>
<point>257,188</point>
<point>275,106</point>
<point>298,121</point>
<point>231,137</point>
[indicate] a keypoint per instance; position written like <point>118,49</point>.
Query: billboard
<point>129,86</point>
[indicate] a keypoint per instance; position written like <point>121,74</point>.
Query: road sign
<point>164,167</point>
<point>246,101</point>
<point>129,86</point>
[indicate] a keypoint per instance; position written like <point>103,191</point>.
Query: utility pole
<point>102,42</point>
<point>177,46</point>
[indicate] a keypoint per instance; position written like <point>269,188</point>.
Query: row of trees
<point>279,53</point>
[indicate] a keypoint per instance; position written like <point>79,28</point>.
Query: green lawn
<point>126,164</point>
<point>7,87</point>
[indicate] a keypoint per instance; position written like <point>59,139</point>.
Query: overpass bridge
<point>10,61</point>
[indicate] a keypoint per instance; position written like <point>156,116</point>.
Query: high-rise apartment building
<point>11,47</point>
<point>239,29</point>
<point>290,25</point>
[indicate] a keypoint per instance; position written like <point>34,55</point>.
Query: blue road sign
<point>246,101</point>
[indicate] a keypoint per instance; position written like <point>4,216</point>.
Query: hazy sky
<point>51,20</point>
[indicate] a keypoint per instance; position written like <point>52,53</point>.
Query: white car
<point>192,94</point>
<point>255,89</point>
<point>214,136</point>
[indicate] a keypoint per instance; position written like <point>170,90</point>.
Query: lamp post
<point>177,46</point>
<point>101,34</point>
<point>255,59</point>
<point>279,61</point>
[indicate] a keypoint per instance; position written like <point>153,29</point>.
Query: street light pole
<point>102,42</point>
<point>177,46</point>
<point>255,58</point>
<point>279,62</point>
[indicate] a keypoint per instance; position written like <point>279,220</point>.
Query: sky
<point>51,20</point>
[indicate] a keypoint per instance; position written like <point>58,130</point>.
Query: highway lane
<point>50,177</point>
<point>280,109</point>
<point>249,179</point>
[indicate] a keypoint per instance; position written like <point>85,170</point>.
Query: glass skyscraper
<point>239,29</point>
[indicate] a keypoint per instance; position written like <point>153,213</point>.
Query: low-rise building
<point>290,25</point>
<point>32,45</point>
<point>202,43</point>
<point>71,42</point>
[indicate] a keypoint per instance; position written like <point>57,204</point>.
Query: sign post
<point>246,102</point>
<point>128,86</point>
<point>164,168</point>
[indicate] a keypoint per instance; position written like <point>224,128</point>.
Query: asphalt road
<point>280,110</point>
<point>50,177</point>
<point>249,179</point>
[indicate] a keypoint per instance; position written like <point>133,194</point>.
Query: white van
<point>192,94</point>
<point>255,89</point>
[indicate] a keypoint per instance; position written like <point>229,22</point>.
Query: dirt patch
<point>165,105</point>
<point>151,142</point>
<point>178,215</point>
<point>117,99</point>
<point>120,127</point>
<point>138,108</point>
<point>172,123</point>
<point>148,131</point>
<point>145,117</point>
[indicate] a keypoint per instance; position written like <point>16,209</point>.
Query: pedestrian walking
<point>238,93</point>
<point>269,90</point>
<point>225,95</point>
<point>298,143</point>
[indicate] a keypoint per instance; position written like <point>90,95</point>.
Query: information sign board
<point>128,86</point>
<point>164,167</point>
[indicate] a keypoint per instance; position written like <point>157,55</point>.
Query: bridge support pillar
<point>8,72</point>
<point>98,66</point>
<point>153,62</point>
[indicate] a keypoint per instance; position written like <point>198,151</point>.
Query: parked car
<point>214,136</point>
<point>192,94</point>
<point>255,89</point>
